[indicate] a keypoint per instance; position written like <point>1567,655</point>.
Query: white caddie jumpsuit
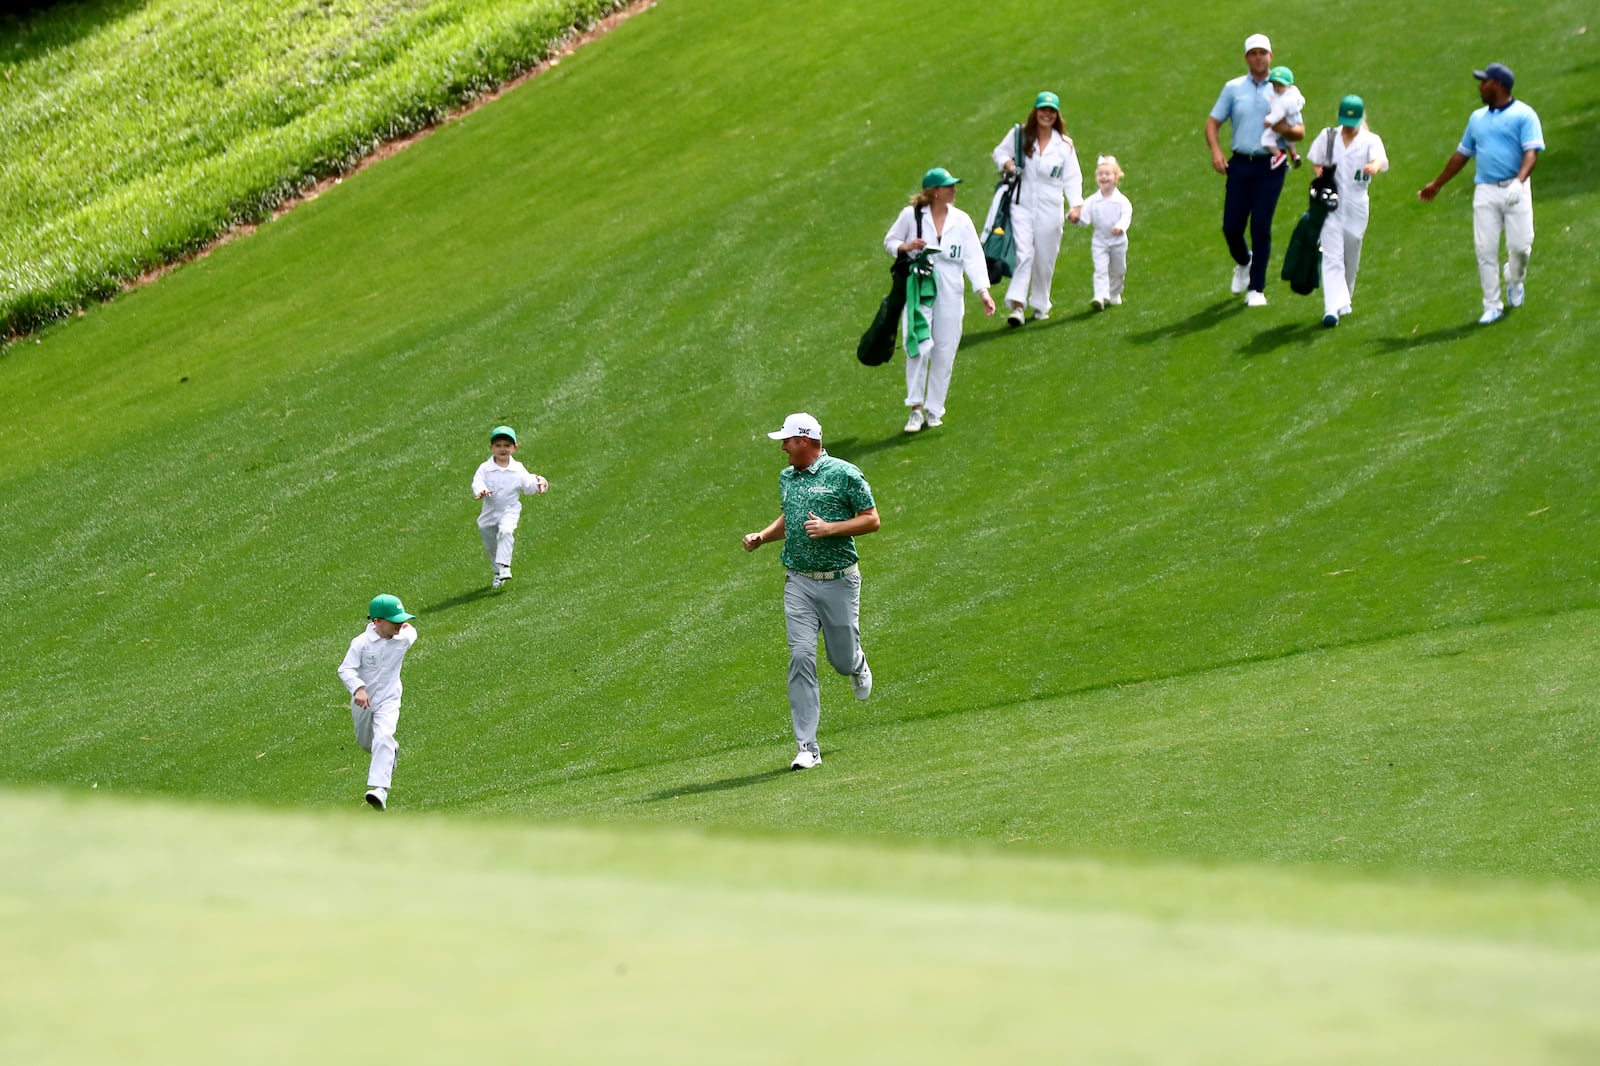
<point>374,664</point>
<point>502,508</point>
<point>1051,178</point>
<point>953,253</point>
<point>1346,226</point>
<point>1108,251</point>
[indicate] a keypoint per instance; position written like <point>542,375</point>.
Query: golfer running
<point>826,503</point>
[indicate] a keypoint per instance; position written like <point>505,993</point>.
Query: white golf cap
<point>1257,40</point>
<point>799,425</point>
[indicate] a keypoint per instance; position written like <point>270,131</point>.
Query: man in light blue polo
<point>826,503</point>
<point>1505,138</point>
<point>1253,183</point>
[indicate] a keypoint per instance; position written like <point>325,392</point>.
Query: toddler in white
<point>1287,103</point>
<point>500,483</point>
<point>1110,213</point>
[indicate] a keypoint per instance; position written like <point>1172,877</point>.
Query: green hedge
<point>136,134</point>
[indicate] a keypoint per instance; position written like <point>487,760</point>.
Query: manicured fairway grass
<point>204,483</point>
<point>201,935</point>
<point>137,132</point>
<point>1201,638</point>
<point>1231,627</point>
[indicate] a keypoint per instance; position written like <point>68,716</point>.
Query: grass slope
<point>201,935</point>
<point>1119,587</point>
<point>135,133</point>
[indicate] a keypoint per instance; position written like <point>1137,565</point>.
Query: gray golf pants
<point>832,608</point>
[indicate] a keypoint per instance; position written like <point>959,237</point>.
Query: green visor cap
<point>1352,109</point>
<point>1047,99</point>
<point>503,431</point>
<point>939,177</point>
<point>1280,76</point>
<point>389,608</point>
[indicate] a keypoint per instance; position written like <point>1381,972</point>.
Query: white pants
<point>1497,210</point>
<point>1341,240</point>
<point>499,538</point>
<point>1110,258</point>
<point>1037,232</point>
<point>375,728</point>
<point>928,376</point>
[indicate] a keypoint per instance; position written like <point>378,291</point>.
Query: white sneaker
<point>1097,304</point>
<point>914,422</point>
<point>1014,319</point>
<point>1041,316</point>
<point>1255,299</point>
<point>1491,315</point>
<point>861,680</point>
<point>1241,277</point>
<point>931,420</point>
<point>378,798</point>
<point>1515,293</point>
<point>1116,301</point>
<point>497,582</point>
<point>805,760</point>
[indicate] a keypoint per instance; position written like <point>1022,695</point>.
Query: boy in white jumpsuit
<point>1110,213</point>
<point>1051,183</point>
<point>1356,154</point>
<point>371,671</point>
<point>954,251</point>
<point>501,482</point>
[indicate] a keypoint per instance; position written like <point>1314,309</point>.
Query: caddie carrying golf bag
<point>999,246</point>
<point>1302,263</point>
<point>877,344</point>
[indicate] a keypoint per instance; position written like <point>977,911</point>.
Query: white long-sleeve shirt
<point>374,663</point>
<point>954,252</point>
<point>1050,176</point>
<point>1106,213</point>
<point>506,486</point>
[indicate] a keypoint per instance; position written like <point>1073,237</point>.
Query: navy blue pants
<point>1252,197</point>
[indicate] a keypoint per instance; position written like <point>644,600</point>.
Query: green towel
<point>920,291</point>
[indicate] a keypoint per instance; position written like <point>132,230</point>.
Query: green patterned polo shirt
<point>834,491</point>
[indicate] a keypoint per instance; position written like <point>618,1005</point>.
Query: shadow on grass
<point>1203,319</point>
<point>1422,340</point>
<point>482,592</point>
<point>1270,340</point>
<point>972,340</point>
<point>851,448</point>
<point>714,786</point>
<point>1054,321</point>
<point>33,28</point>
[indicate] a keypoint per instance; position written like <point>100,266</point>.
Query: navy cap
<point>1496,72</point>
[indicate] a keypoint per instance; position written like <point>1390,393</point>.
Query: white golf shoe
<point>1241,277</point>
<point>378,798</point>
<point>805,759</point>
<point>861,680</point>
<point>1516,292</point>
